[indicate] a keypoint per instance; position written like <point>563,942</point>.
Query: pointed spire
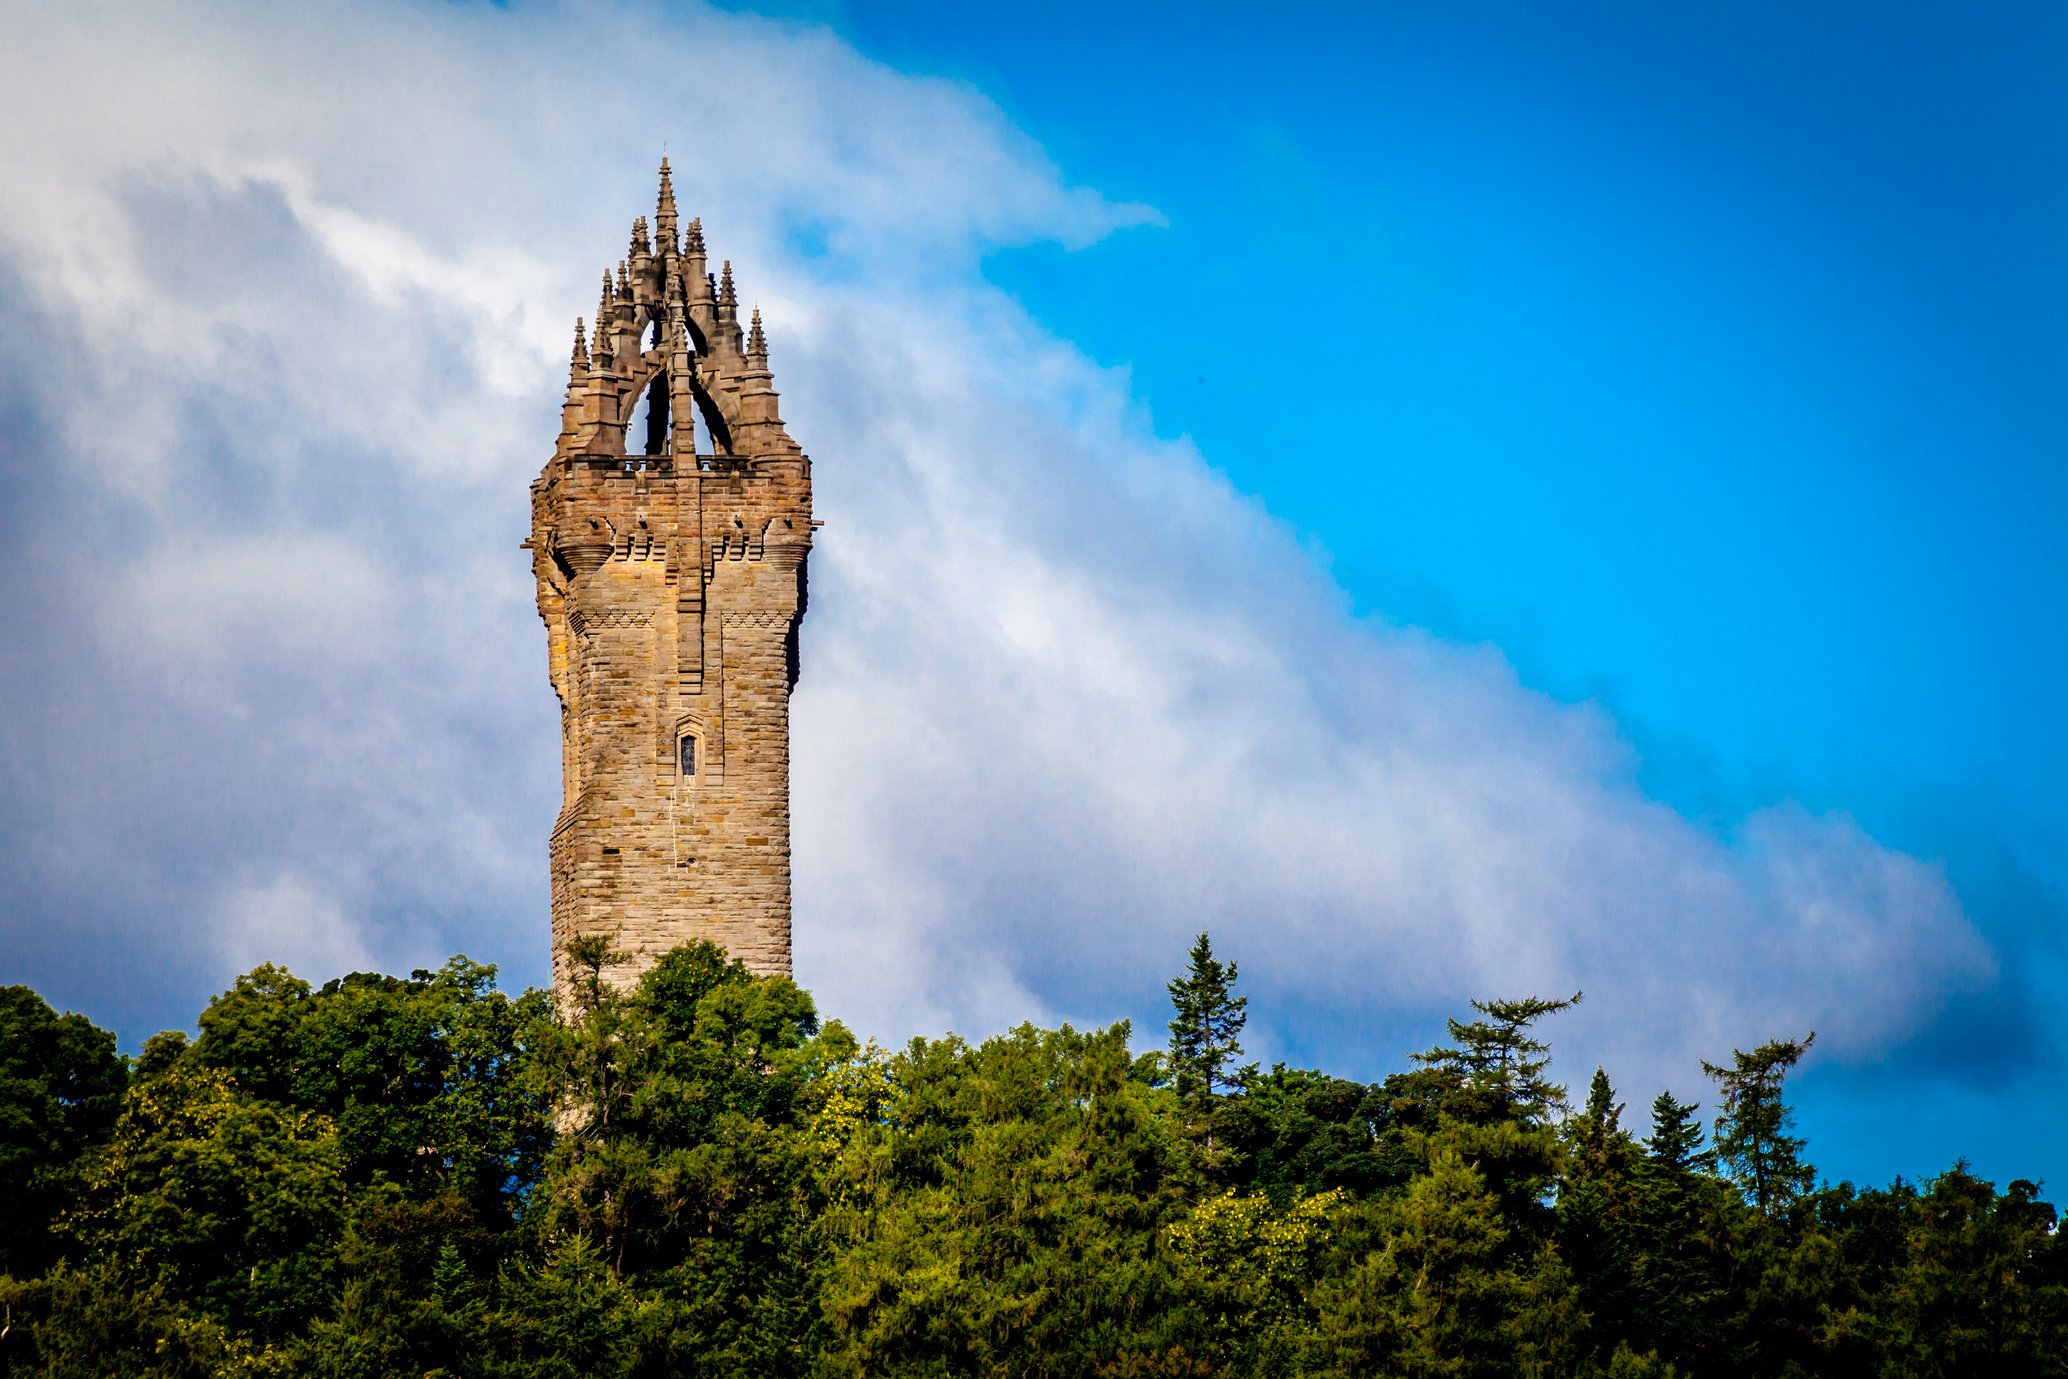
<point>757,343</point>
<point>728,300</point>
<point>693,243</point>
<point>578,362</point>
<point>664,213</point>
<point>608,295</point>
<point>599,349</point>
<point>640,247</point>
<point>624,284</point>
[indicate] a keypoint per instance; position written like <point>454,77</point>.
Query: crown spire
<point>664,212</point>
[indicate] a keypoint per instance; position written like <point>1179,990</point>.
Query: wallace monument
<point>671,579</point>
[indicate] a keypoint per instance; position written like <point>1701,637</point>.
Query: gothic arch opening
<point>714,437</point>
<point>646,430</point>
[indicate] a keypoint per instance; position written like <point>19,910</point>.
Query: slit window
<point>686,755</point>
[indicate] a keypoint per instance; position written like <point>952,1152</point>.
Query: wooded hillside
<point>426,1176</point>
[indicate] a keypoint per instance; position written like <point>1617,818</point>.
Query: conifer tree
<point>1676,1138</point>
<point>1498,1061</point>
<point>1598,1131</point>
<point>1598,1206</point>
<point>1679,1298</point>
<point>1752,1139</point>
<point>1604,1114</point>
<point>1206,1030</point>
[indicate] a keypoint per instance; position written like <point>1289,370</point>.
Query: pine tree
<point>1597,1133</point>
<point>1679,1263</point>
<point>1676,1138</point>
<point>1499,1063</point>
<point>1206,1031</point>
<point>1597,1206</point>
<point>1752,1139</point>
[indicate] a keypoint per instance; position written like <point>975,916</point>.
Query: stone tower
<point>670,566</point>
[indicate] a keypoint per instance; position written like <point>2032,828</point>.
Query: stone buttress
<point>671,568</point>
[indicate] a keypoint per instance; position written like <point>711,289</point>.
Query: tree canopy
<point>693,1174</point>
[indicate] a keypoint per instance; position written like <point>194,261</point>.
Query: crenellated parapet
<point>670,536</point>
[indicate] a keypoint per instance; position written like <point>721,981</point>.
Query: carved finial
<point>640,247</point>
<point>578,362</point>
<point>664,216</point>
<point>757,343</point>
<point>624,284</point>
<point>693,242</point>
<point>599,349</point>
<point>608,295</point>
<point>728,300</point>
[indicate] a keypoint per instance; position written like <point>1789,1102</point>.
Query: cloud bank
<point>285,305</point>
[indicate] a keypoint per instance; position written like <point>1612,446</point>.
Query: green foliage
<point>422,1078</point>
<point>1675,1145</point>
<point>1206,1024</point>
<point>1496,1072</point>
<point>1250,1268</point>
<point>1294,1131</point>
<point>1752,1139</point>
<point>687,1175</point>
<point>217,1201</point>
<point>1600,1212</point>
<point>1002,1215</point>
<point>1447,1290</point>
<point>686,1162</point>
<point>60,1086</point>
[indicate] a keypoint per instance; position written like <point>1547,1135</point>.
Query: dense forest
<point>694,1176</point>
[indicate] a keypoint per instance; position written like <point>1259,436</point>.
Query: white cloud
<point>286,920</point>
<point>209,605</point>
<point>1067,699</point>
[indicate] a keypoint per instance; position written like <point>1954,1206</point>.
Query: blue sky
<point>1458,501</point>
<point>1711,361</point>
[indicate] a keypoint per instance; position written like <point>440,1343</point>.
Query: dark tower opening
<point>657,415</point>
<point>646,430</point>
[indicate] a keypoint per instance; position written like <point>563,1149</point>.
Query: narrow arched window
<point>647,426</point>
<point>686,755</point>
